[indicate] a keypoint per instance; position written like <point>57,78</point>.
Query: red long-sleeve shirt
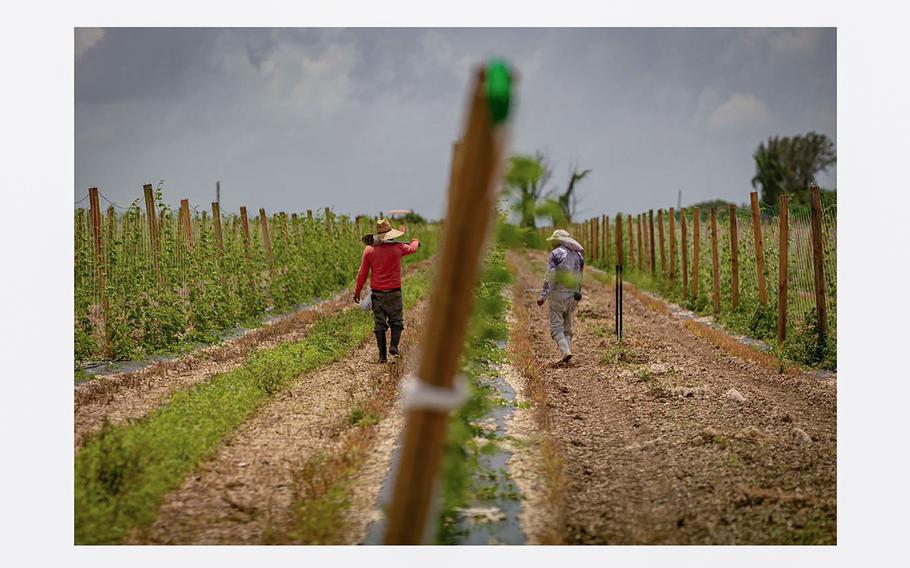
<point>383,262</point>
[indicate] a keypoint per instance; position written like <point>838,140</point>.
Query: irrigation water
<point>104,368</point>
<point>493,516</point>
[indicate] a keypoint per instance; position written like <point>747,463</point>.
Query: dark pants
<point>388,310</point>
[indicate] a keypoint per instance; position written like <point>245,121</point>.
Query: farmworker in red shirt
<point>382,259</point>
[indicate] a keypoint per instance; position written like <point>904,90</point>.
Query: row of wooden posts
<point>595,233</point>
<point>155,219</point>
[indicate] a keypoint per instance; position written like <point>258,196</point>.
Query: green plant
<point>191,293</point>
<point>763,323</point>
<point>360,416</point>
<point>805,346</point>
<point>122,474</point>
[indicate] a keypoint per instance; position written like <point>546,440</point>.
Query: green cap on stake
<point>499,89</point>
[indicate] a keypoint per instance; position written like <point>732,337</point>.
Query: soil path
<point>126,396</point>
<point>246,494</point>
<point>655,449</point>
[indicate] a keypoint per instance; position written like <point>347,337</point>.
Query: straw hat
<point>385,232</point>
<point>559,234</point>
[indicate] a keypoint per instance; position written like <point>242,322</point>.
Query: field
<point>152,280</point>
<point>290,433</point>
<point>698,405</point>
<point>680,267</point>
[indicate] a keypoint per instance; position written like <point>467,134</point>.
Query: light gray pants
<point>562,306</point>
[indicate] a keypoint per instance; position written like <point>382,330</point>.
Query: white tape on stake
<point>418,394</point>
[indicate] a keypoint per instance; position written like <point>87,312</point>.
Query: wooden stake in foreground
<point>468,217</point>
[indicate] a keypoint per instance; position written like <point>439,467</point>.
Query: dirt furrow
<point>132,395</point>
<point>246,494</point>
<point>120,397</point>
<point>658,452</point>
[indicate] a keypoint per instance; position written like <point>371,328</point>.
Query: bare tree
<point>568,200</point>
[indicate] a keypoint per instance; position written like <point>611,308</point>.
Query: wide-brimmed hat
<point>562,237</point>
<point>385,232</point>
<point>559,234</point>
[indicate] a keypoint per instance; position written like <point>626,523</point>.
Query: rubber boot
<point>396,336</point>
<point>380,343</point>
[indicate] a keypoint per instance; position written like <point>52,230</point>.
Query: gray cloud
<point>363,119</point>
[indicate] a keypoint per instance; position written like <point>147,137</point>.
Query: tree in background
<point>525,179</point>
<point>790,164</point>
<point>568,200</point>
<point>771,171</point>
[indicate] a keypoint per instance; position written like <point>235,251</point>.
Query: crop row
<point>144,285</point>
<point>657,255</point>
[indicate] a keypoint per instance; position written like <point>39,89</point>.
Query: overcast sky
<point>363,119</point>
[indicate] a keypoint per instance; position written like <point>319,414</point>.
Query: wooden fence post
<point>111,228</point>
<point>672,243</point>
<point>696,248</point>
<point>216,218</point>
<point>759,250</point>
<point>588,231</point>
<point>267,243</point>
<point>784,228</point>
<point>95,215</point>
<point>187,227</point>
<point>734,257</point>
<point>160,225</point>
<point>180,239</point>
<point>592,237</point>
<point>641,246</point>
<point>715,269</point>
<point>109,249</point>
<point>598,237</point>
<point>651,242</point>
<point>245,225</point>
<point>219,240</point>
<point>152,222</point>
<point>663,255</point>
<point>685,253</point>
<point>818,262</point>
<point>606,241</point>
<point>295,226</point>
<point>631,243</point>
